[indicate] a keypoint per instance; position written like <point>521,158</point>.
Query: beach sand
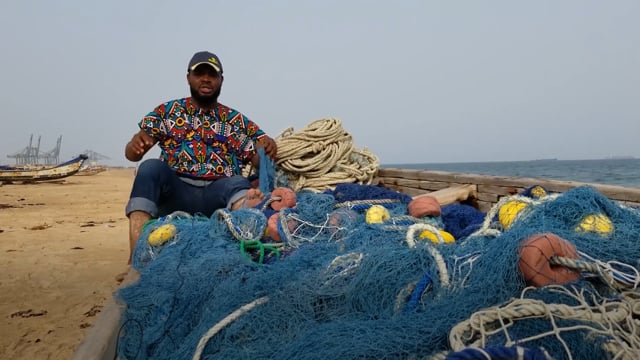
<point>62,244</point>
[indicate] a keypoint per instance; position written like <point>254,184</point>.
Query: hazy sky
<point>413,81</point>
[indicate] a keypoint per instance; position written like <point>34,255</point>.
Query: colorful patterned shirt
<point>199,143</point>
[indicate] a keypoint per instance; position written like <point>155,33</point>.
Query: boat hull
<point>482,191</point>
<point>44,174</point>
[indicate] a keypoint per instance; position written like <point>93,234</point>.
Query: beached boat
<point>91,170</point>
<point>347,260</point>
<point>37,174</point>
<point>482,192</point>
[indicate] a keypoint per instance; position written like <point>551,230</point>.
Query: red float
<point>535,253</point>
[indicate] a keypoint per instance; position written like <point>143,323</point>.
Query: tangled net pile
<point>338,287</point>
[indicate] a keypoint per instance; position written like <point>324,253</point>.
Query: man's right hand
<point>140,143</point>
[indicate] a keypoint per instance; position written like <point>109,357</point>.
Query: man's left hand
<point>270,146</point>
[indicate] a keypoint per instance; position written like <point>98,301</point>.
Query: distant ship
<point>619,157</point>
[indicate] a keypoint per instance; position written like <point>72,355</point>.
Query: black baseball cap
<point>205,57</point>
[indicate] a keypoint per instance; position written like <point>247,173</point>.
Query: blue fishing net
<point>337,287</point>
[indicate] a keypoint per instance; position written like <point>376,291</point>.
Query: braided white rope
<point>612,269</point>
<point>353,203</point>
<point>486,230</point>
<point>411,233</point>
<point>613,319</point>
<point>243,231</point>
<point>177,215</point>
<point>342,266</point>
<point>224,322</point>
<point>441,264</point>
<point>290,236</point>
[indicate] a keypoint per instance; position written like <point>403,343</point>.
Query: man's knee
<point>151,167</point>
<point>237,182</point>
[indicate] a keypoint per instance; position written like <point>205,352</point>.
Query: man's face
<point>205,83</point>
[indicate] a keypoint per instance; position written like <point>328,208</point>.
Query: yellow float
<point>509,212</point>
<point>446,237</point>
<point>162,234</point>
<point>598,223</point>
<point>377,214</point>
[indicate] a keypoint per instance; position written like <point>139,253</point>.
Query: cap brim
<point>216,68</point>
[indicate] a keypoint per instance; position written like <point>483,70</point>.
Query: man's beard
<point>205,101</point>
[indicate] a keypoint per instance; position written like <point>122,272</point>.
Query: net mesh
<point>337,287</point>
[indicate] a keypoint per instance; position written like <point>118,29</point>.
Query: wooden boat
<point>71,167</point>
<point>480,191</point>
<point>486,190</point>
<point>91,170</point>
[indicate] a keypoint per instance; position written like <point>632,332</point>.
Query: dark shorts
<point>159,191</point>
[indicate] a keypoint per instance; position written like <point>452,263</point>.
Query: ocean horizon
<point>624,171</point>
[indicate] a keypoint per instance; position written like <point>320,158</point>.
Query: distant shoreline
<point>609,158</point>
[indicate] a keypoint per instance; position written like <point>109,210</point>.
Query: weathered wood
<point>412,192</point>
<point>484,206</point>
<point>453,194</point>
<point>101,340</point>
<point>436,185</point>
<point>429,180</point>
<point>415,184</point>
<point>500,190</point>
<point>399,173</point>
<point>487,197</point>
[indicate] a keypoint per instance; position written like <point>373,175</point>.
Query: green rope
<point>247,245</point>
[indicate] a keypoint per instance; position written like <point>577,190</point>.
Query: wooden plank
<point>487,197</point>
<point>499,190</point>
<point>484,206</point>
<point>412,192</point>
<point>611,191</point>
<point>452,194</point>
<point>438,185</point>
<point>415,184</point>
<point>398,173</point>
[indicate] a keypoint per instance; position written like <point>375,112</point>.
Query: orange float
<point>272,227</point>
<point>534,264</point>
<point>424,206</point>
<point>342,217</point>
<point>287,198</point>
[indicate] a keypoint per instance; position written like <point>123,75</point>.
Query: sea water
<point>625,172</point>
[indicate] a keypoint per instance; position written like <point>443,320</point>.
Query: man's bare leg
<point>253,198</point>
<point>137,219</point>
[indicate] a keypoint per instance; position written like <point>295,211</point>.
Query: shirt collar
<point>193,109</point>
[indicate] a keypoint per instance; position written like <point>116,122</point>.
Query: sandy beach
<point>62,245</point>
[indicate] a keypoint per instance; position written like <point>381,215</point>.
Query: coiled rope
<point>322,155</point>
<point>614,319</point>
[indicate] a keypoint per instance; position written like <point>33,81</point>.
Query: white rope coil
<point>322,155</point>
